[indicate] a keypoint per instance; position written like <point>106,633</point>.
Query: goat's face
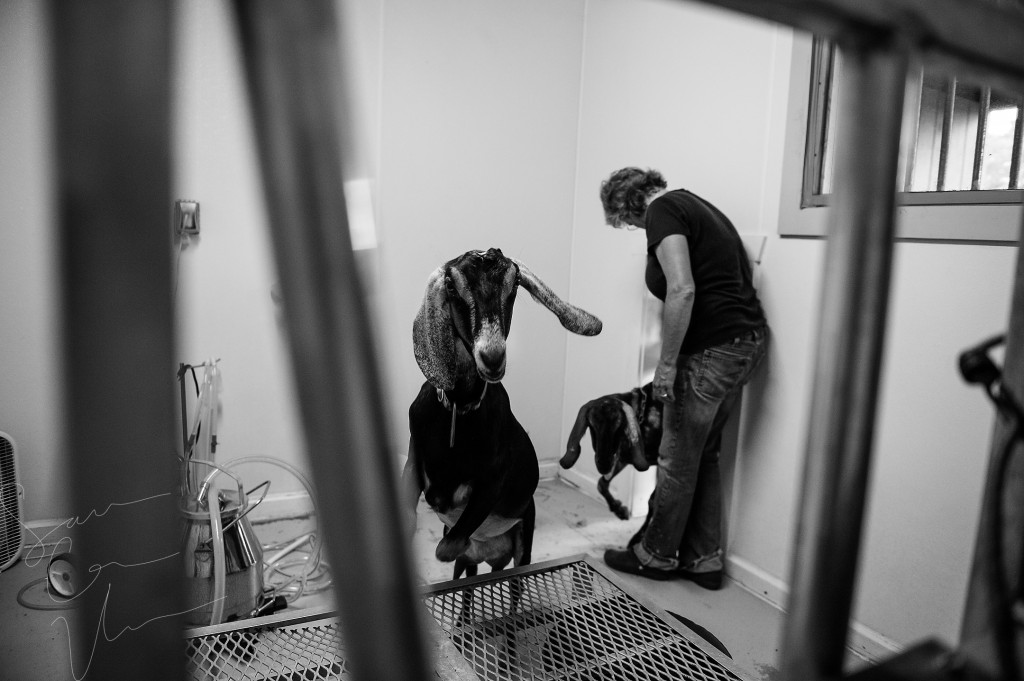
<point>608,435</point>
<point>461,327</point>
<point>481,288</point>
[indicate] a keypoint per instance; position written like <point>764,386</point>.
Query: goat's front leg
<point>604,489</point>
<point>456,541</point>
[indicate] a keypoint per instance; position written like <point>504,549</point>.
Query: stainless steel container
<point>243,561</point>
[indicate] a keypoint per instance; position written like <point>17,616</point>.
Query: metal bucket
<point>243,561</point>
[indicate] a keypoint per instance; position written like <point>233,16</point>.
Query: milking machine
<point>223,560</point>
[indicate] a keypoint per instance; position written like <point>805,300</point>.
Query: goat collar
<point>450,405</point>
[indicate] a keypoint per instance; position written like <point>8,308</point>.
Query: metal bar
<point>281,619</point>
<point>463,583</point>
<point>984,104</point>
<point>947,127</point>
<point>988,635</point>
<point>292,56</point>
<point>1018,134</point>
<point>978,38</point>
<point>849,353</point>
<point>112,114</point>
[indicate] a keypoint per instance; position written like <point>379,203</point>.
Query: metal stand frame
<point>112,74</point>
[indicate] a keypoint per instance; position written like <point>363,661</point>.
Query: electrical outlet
<point>186,218</point>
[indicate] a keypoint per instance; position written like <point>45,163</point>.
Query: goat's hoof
<point>449,548</point>
<point>621,512</point>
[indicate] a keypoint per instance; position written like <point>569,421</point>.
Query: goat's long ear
<point>572,448</point>
<point>432,340</point>
<point>574,319</point>
<point>636,446</point>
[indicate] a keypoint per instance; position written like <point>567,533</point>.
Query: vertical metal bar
<point>292,57</point>
<point>984,103</point>
<point>848,364</point>
<point>112,110</point>
<point>913,129</point>
<point>989,635</point>
<point>947,125</point>
<point>1018,133</point>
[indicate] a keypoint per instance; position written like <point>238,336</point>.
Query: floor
<point>568,523</point>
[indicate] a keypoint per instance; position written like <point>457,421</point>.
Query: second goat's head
<point>466,315</point>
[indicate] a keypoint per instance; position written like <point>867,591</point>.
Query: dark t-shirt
<point>726,304</point>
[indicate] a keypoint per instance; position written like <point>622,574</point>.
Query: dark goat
<point>468,455</point>
<point>625,429</point>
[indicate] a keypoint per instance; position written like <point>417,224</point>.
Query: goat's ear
<point>574,319</point>
<point>572,448</point>
<point>636,445</point>
<point>432,341</point>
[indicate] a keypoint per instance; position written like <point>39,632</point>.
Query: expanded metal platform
<point>565,619</point>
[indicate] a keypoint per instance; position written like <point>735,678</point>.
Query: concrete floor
<point>568,523</point>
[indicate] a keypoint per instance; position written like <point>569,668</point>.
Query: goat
<point>468,455</point>
<point>625,429</point>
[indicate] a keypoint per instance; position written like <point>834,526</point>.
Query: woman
<point>713,335</point>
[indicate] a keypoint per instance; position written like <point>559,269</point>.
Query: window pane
<point>831,123</point>
<point>995,167</point>
<point>929,134</point>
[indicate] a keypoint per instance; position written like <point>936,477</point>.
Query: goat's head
<point>466,316</point>
<point>614,433</point>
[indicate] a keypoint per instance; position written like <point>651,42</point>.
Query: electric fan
<point>10,503</point>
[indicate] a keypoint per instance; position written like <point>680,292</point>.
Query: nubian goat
<point>625,429</point>
<point>468,455</point>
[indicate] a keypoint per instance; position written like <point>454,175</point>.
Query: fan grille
<point>10,505</point>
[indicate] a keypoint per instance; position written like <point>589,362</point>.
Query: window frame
<point>990,222</point>
<point>823,63</point>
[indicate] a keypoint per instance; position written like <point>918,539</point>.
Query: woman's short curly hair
<point>624,194</point>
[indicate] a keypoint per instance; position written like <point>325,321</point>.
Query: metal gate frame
<point>111,62</point>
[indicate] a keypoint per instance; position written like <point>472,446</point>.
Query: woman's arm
<point>673,255</point>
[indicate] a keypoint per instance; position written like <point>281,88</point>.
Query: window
<point>962,142</point>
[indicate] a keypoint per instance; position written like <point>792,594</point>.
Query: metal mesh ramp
<point>292,652</point>
<point>569,622</point>
<point>559,620</point>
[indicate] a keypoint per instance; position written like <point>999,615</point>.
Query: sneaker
<point>711,581</point>
<point>624,560</point>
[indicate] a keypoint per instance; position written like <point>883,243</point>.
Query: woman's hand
<point>664,380</point>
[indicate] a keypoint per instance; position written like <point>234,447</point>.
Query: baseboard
<point>862,641</point>
<point>765,586</point>
<point>548,470</point>
<point>282,506</point>
<point>279,506</point>
<point>586,484</point>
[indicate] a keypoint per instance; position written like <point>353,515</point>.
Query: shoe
<point>624,560</point>
<point>712,581</point>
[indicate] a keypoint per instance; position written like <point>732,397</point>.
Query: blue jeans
<point>684,520</point>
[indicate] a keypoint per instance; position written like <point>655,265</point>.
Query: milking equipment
<point>223,560</point>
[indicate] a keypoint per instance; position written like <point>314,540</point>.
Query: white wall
<point>932,430</point>
<point>223,300</point>
<point>30,412</point>
<point>692,92</point>
<point>478,146</point>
